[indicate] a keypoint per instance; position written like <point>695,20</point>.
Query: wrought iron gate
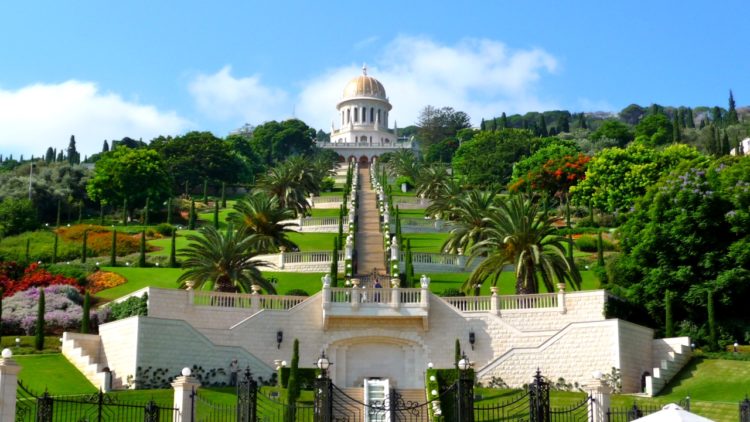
<point>531,405</point>
<point>97,407</point>
<point>745,410</point>
<point>580,412</point>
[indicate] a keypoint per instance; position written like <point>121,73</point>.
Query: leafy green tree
<point>654,130</point>
<point>17,216</point>
<point>262,216</point>
<point>470,223</point>
<point>487,160</point>
<point>551,170</point>
<point>142,250</point>
<point>273,141</point>
<point>223,262</point>
<point>617,177</point>
<point>436,124</point>
<point>613,129</point>
<point>130,175</point>
<point>518,234</point>
<point>290,183</point>
<point>39,326</point>
<point>431,180</point>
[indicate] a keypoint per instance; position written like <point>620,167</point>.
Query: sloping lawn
<point>439,282</point>
<point>711,380</point>
<point>309,242</point>
<point>139,278</point>
<point>52,372</point>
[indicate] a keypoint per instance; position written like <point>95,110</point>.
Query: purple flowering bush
<point>63,310</point>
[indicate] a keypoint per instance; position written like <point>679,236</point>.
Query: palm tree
<point>288,186</point>
<point>261,215</point>
<point>403,162</point>
<point>518,234</point>
<point>446,199</point>
<point>470,212</point>
<point>223,262</point>
<point>431,180</point>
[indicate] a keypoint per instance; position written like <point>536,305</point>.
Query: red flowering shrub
<point>34,276</point>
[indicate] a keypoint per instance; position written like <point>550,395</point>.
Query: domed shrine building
<point>364,112</point>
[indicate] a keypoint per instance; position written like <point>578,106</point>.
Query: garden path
<point>369,240</point>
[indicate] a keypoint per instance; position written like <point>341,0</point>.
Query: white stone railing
<point>470,303</point>
<point>508,303</point>
<point>246,301</point>
<point>313,261</point>
<point>411,202</point>
<point>325,202</point>
<point>319,221</point>
<point>424,225</point>
<point>543,300</point>
<point>358,301</point>
<point>426,262</point>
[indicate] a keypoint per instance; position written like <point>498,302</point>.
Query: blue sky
<point>105,70</point>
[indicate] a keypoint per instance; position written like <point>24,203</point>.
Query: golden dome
<point>364,86</point>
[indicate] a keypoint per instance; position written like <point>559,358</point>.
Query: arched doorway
<point>364,160</point>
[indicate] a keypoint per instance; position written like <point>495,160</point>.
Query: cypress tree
<point>191,219</point>
<point>145,211</point>
<point>125,212</point>
<point>732,113</point>
<point>543,126</point>
<point>85,318</point>
<point>600,250</point>
<point>54,250</point>
<point>83,246</point>
<point>503,121</point>
<point>173,250</point>
<point>113,250</point>
<point>223,194</point>
<point>482,125</point>
<point>80,212</point>
<point>59,212</point>
<point>725,147</point>
<point>689,118</point>
<point>169,210</point>
<point>105,147</point>
<point>456,353</point>
<point>216,214</point>
<point>142,254</point>
<point>39,327</point>
<point>712,339</point>
<point>676,135</point>
<point>668,319</point>
<point>101,213</point>
<point>293,386</point>
<point>335,263</point>
<point>410,274</point>
<point>493,125</point>
<point>1,309</point>
<point>205,191</point>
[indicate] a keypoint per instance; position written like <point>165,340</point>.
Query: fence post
<point>745,410</point>
<point>495,301</point>
<point>326,279</point>
<point>9,370</point>
<point>561,298</point>
<point>539,399</point>
<point>395,293</point>
<point>282,249</point>
<point>184,393</point>
<point>323,399</point>
<point>599,392</point>
<point>424,300</point>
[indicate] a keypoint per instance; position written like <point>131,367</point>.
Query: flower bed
<point>102,280</point>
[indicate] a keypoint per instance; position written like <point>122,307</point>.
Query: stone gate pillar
<point>184,389</point>
<point>600,395</point>
<point>9,370</point>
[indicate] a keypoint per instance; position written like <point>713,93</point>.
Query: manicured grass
<point>442,281</point>
<point>324,212</point>
<point>308,242</point>
<point>711,380</point>
<point>309,282</point>
<point>52,373</point>
<point>26,345</point>
<point>426,242</point>
<point>139,278</point>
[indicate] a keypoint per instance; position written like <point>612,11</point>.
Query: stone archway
<point>340,159</point>
<point>401,361</point>
<point>364,160</point>
<point>352,159</point>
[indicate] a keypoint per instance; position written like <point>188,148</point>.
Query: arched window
<point>348,115</point>
<point>364,114</point>
<point>379,119</point>
<point>372,114</point>
<point>356,114</point>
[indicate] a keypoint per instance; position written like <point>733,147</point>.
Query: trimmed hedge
<point>307,377</point>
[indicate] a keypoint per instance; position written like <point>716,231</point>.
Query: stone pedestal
<point>183,400</point>
<point>9,370</point>
<point>600,394</point>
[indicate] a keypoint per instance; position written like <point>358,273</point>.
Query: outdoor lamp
<point>323,364</point>
<point>597,374</point>
<point>429,365</point>
<point>283,363</point>
<point>18,342</point>
<point>186,372</point>
<point>472,339</point>
<point>464,364</point>
<point>279,338</point>
<point>7,353</point>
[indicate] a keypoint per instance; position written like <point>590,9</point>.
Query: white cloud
<point>478,76</point>
<point>481,77</point>
<point>37,116</point>
<point>223,97</point>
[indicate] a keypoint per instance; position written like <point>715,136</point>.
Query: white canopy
<point>673,413</point>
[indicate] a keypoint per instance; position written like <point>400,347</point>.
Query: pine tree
<point>173,250</point>
<point>690,119</point>
<point>84,250</point>
<point>503,121</point>
<point>146,211</point>
<point>142,252</point>
<point>169,210</point>
<point>668,319</point>
<point>216,214</point>
<point>676,135</point>
<point>482,125</point>
<point>543,126</point>
<point>223,194</point>
<point>335,264</point>
<point>54,249</point>
<point>712,339</point>
<point>191,219</point>
<point>293,384</point>
<point>732,113</point>
<point>85,317</point>
<point>105,147</point>
<point>113,250</point>
<point>39,327</point>
<point>59,212</point>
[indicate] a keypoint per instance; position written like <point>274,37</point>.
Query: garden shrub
<point>305,376</point>
<point>452,292</point>
<point>102,280</point>
<point>589,244</point>
<point>62,310</point>
<point>165,229</point>
<point>77,271</point>
<point>297,292</point>
<point>327,184</point>
<point>34,276</point>
<point>17,216</point>
<point>132,306</point>
<point>13,248</point>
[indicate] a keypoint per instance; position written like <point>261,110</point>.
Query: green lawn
<point>139,278</point>
<point>308,242</point>
<point>52,373</point>
<point>442,281</point>
<point>324,212</point>
<point>426,242</point>
<point>309,282</point>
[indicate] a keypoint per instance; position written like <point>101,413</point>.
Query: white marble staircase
<point>669,357</point>
<point>84,351</point>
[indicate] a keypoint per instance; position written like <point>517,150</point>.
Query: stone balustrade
<point>312,261</point>
<point>315,225</point>
<point>246,301</point>
<point>424,225</point>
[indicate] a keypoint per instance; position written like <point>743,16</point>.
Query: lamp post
<point>323,390</point>
<point>465,408</point>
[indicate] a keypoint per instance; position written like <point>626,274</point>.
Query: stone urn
<point>561,287</point>
<point>190,284</point>
<point>255,288</point>
<point>355,282</point>
<point>494,290</point>
<point>395,282</point>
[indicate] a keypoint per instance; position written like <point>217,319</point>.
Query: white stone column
<point>495,301</point>
<point>183,402</point>
<point>355,293</point>
<point>282,249</point>
<point>600,394</point>
<point>255,299</point>
<point>9,370</point>
<point>424,301</point>
<point>461,258</point>
<point>326,291</point>
<point>561,298</point>
<point>395,293</point>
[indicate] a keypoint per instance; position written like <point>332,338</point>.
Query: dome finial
<point>364,69</point>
